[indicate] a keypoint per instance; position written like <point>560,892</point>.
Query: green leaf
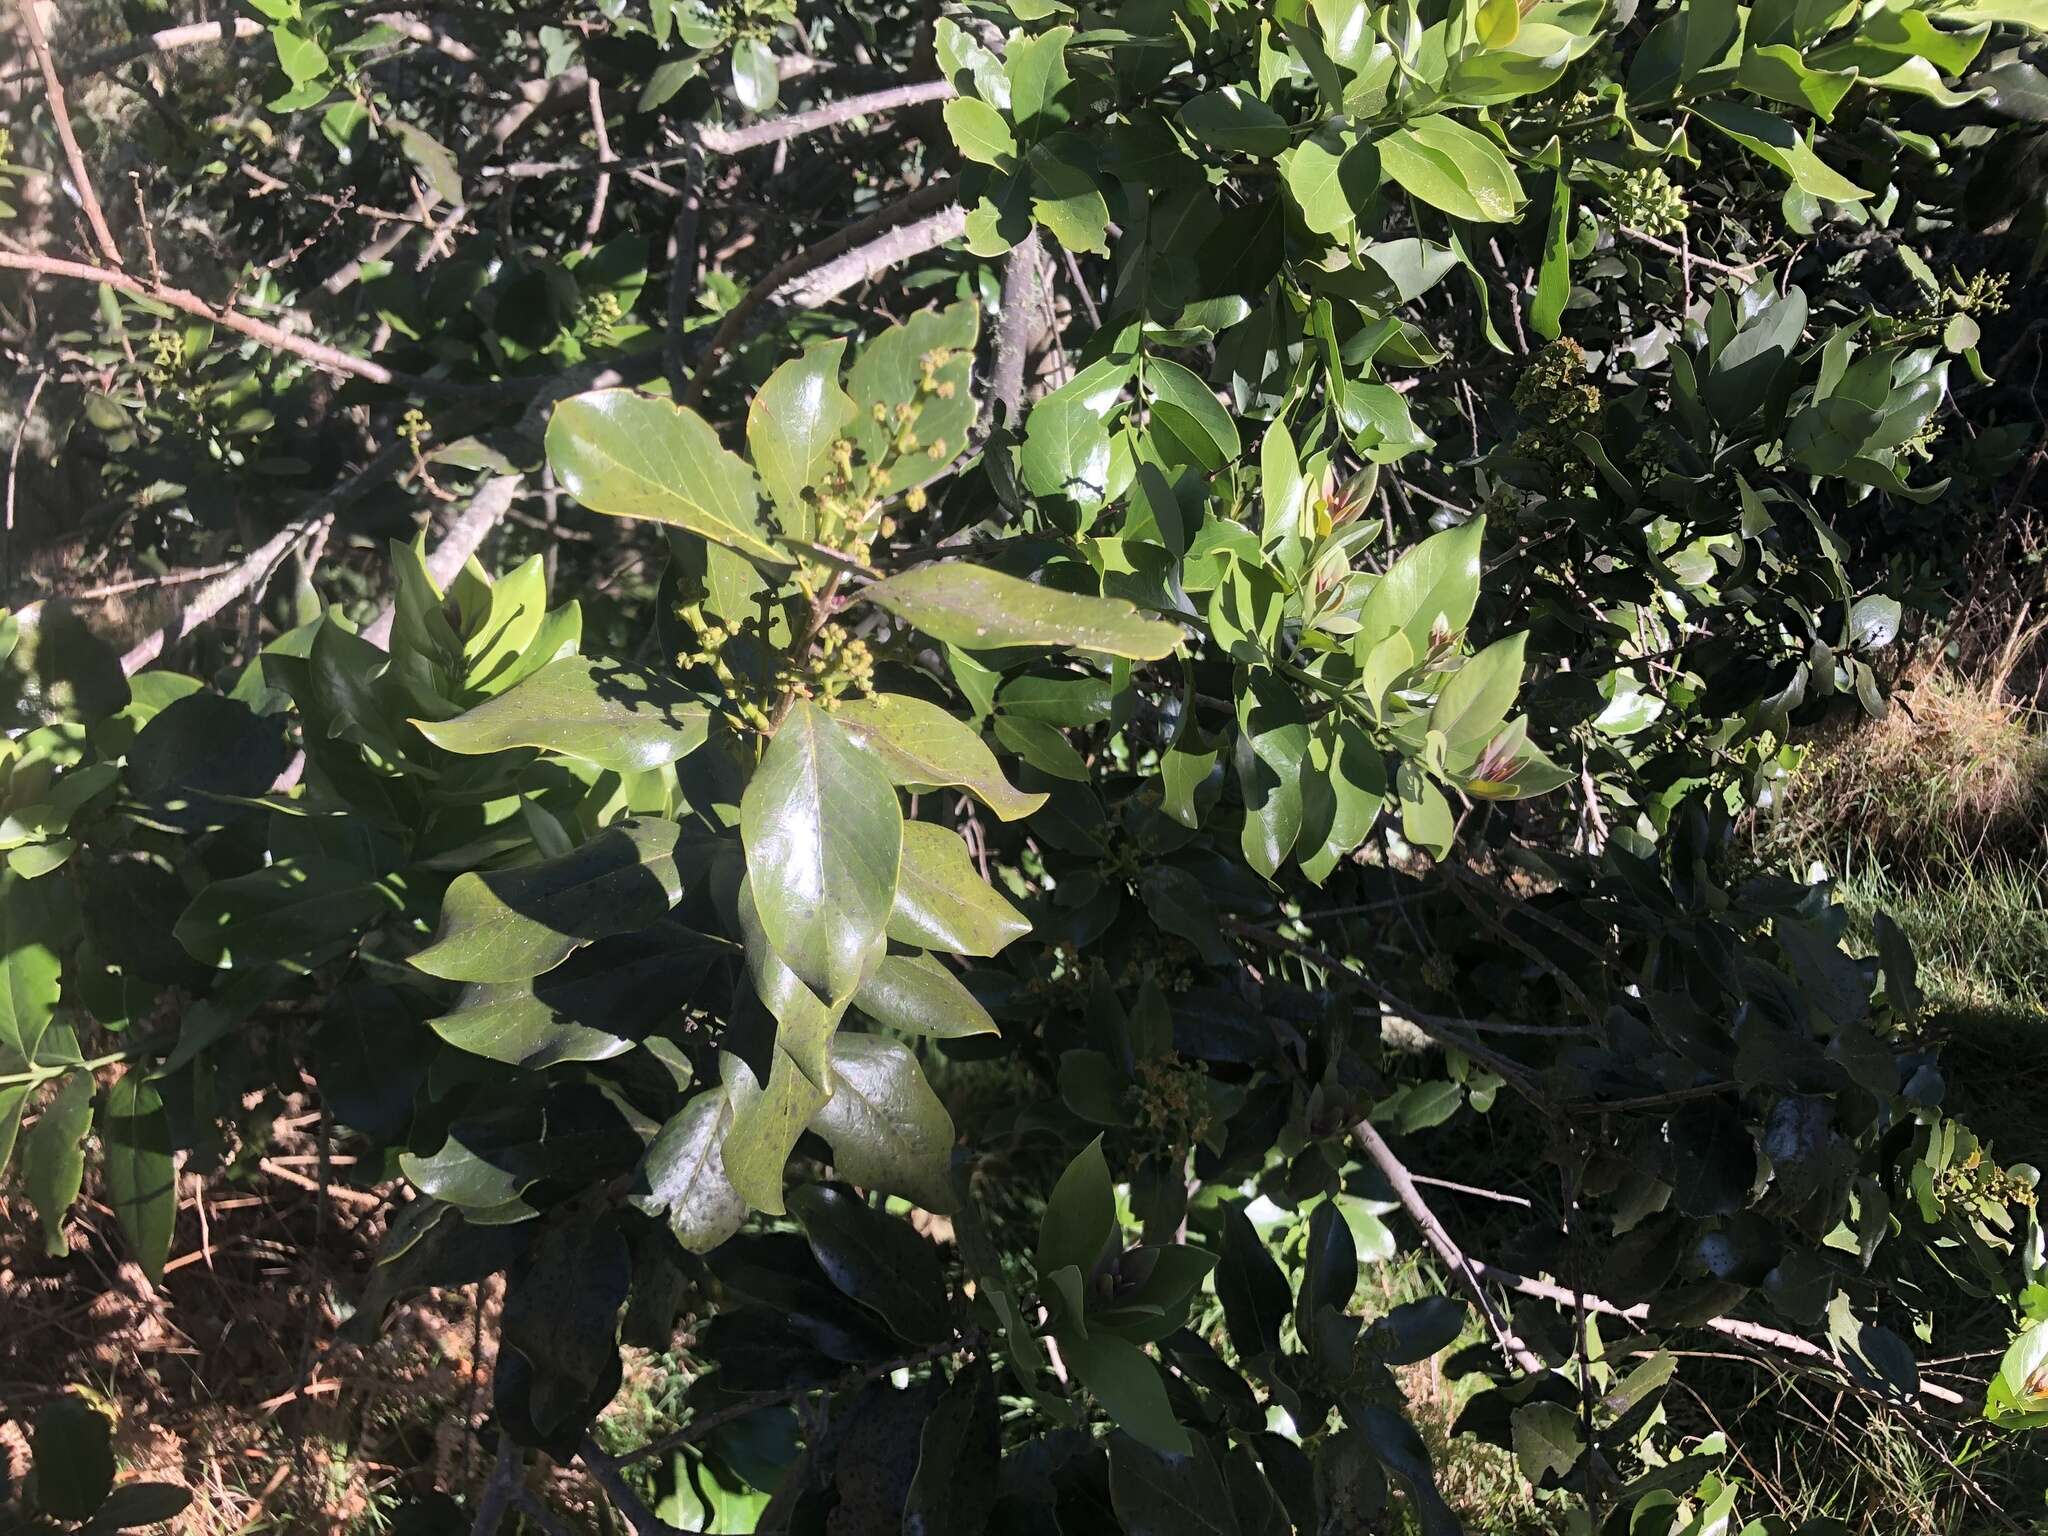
<point>1235,121</point>
<point>887,1129</point>
<point>1450,166</point>
<point>1546,1439</point>
<point>74,1458</point>
<point>13,1104</point>
<point>1331,176</point>
<point>1272,743</point>
<point>943,903</point>
<point>1554,279</point>
<point>1780,73</point>
<point>1344,788</point>
<point>766,1122</point>
<point>487,1161</point>
<point>1775,140</point>
<point>1477,697</point>
<point>1187,406</point>
<point>976,608</point>
<point>430,157</point>
<point>134,1505</point>
<point>135,1140</point>
<point>920,996</point>
<point>804,1022</point>
<point>1498,23</point>
<point>1037,71</point>
<point>1068,199</point>
<point>1080,1215</point>
<point>878,1260</point>
<point>1426,819</point>
<point>922,747</point>
<point>824,836</point>
<point>53,1157</point>
<point>630,455</point>
<point>1427,595</point>
<point>29,980</point>
<point>616,717</point>
<point>1126,1382</point>
<point>1161,1493</point>
<point>791,426</point>
<point>1066,450</point>
<point>980,132</point>
<point>1251,1287</point>
<point>756,83</point>
<point>295,910</point>
<point>510,924</point>
<point>591,1007</point>
<point>683,1175</point>
<point>298,55</point>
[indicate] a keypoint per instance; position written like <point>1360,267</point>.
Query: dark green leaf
<point>977,608</point>
<point>878,1260</point>
<point>74,1458</point>
<point>615,717</point>
<point>135,1137</point>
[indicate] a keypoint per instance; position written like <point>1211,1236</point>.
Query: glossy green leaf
<point>1427,595</point>
<point>29,981</point>
<point>1331,176</point>
<point>1450,166</point>
<point>766,1121</point>
<point>1554,277</point>
<point>920,996</point>
<point>824,836</point>
<point>977,608</point>
<point>1774,140</point>
<point>1254,1292</point>
<point>959,1460</point>
<point>943,903</point>
<point>980,132</point>
<point>922,746</point>
<point>507,925</point>
<point>794,420</point>
<point>1180,399</point>
<point>887,1129</point>
<point>142,1186</point>
<point>683,1175</point>
<point>1272,745</point>
<point>1476,698</point>
<point>631,455</point>
<point>616,717</point>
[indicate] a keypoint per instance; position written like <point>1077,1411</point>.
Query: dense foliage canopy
<point>1226,574</point>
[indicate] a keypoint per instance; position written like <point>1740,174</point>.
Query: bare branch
<point>604,153</point>
<point>816,257</point>
<point>1731,1327</point>
<point>227,30</point>
<point>865,262</point>
<point>733,141</point>
<point>1742,269</point>
<point>318,353</point>
<point>60,112</point>
<point>685,268</point>
<point>247,572</point>
<point>1439,1238</point>
<point>1023,272</point>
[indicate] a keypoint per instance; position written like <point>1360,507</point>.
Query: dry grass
<point>230,1376</point>
<point>1955,771</point>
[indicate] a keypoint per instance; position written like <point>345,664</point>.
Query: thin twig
<point>60,113</point>
<point>1742,269</point>
<point>1733,1327</point>
<point>1439,1238</point>
<point>318,353</point>
<point>684,270</point>
<point>602,195</point>
<point>628,1503</point>
<point>785,274</point>
<point>21,427</point>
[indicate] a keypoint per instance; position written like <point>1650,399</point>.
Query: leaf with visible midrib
<point>823,836</point>
<point>631,455</point>
<point>613,716</point>
<point>887,1129</point>
<point>979,609</point>
<point>942,903</point>
<point>922,746</point>
<point>53,1158</point>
